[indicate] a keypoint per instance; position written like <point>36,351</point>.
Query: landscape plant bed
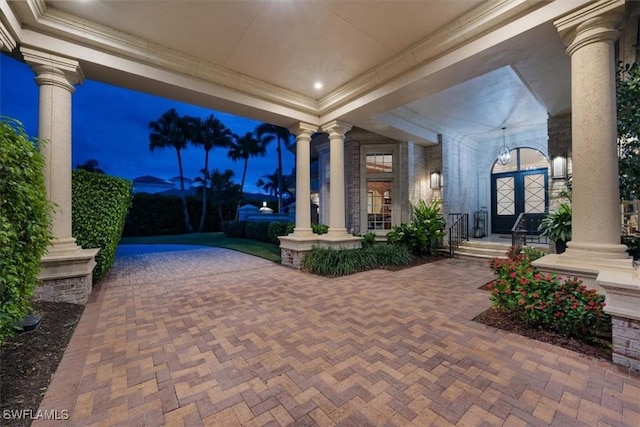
<point>511,322</point>
<point>29,360</point>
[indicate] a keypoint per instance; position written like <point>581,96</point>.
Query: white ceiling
<point>408,69</point>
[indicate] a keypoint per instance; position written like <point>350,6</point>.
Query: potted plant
<point>557,227</point>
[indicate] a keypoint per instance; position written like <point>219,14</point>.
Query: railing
<point>458,231</point>
<point>525,229</point>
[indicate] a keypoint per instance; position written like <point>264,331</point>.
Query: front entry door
<point>515,192</point>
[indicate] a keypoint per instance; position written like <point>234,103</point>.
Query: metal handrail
<point>525,228</point>
<point>458,231</point>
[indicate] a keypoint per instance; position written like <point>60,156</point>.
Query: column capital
<point>336,128</point>
<point>7,42</point>
<point>596,22</point>
<point>301,128</point>
<point>53,69</point>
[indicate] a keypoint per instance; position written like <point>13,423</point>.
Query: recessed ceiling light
<point>317,85</point>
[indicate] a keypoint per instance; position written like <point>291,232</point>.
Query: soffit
<point>286,43</point>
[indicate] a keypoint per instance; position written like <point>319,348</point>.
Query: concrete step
<point>485,250</point>
<point>482,252</point>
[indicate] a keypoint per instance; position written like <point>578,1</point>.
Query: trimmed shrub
<point>547,300</point>
<point>633,246</point>
<point>99,207</point>
<point>234,228</point>
<point>340,262</point>
<point>369,239</point>
<point>279,228</point>
<point>25,218</point>
<point>257,230</point>
<point>319,228</point>
<point>424,234</point>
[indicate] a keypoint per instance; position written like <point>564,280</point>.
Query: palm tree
<point>282,134</point>
<point>171,130</point>
<point>244,147</point>
<point>223,189</point>
<point>270,184</point>
<point>208,133</point>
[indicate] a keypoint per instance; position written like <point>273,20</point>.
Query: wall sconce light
<point>435,181</point>
<point>559,167</point>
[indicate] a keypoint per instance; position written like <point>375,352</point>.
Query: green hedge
<point>234,228</point>
<point>153,215</point>
<point>279,228</point>
<point>257,230</point>
<point>160,215</point>
<point>25,218</point>
<point>99,207</point>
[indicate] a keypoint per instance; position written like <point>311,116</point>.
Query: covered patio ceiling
<point>405,69</point>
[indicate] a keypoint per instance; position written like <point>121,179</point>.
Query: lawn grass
<point>219,240</point>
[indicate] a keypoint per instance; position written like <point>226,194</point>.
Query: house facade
<point>408,94</point>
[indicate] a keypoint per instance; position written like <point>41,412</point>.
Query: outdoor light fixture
<point>559,167</point>
<point>436,180</point>
<point>504,156</point>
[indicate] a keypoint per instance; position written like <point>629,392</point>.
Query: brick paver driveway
<point>214,337</point>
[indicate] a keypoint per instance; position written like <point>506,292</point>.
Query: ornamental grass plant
<point>546,300</point>
<point>341,262</point>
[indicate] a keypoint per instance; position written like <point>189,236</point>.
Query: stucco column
<point>336,131</point>
<point>590,34</point>
<point>303,133</point>
<point>56,77</point>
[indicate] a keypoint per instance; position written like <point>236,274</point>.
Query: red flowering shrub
<point>546,300</point>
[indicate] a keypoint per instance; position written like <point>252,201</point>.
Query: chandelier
<point>504,156</point>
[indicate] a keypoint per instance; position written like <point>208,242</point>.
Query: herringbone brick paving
<point>215,337</point>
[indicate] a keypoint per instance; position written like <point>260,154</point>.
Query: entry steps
<point>480,249</point>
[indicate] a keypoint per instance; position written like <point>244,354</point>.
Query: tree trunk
<point>185,211</point>
<point>244,174</point>
<point>279,177</point>
<point>203,215</point>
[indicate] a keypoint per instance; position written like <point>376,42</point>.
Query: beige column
<point>66,268</point>
<point>56,77</point>
<point>336,131</point>
<point>590,34</point>
<point>303,133</point>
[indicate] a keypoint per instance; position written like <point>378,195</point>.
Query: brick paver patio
<point>214,337</point>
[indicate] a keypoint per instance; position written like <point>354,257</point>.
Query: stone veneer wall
<point>403,181</point>
<point>559,131</point>
<point>352,183</point>
<point>626,342</point>
<point>291,258</point>
<point>354,141</point>
<point>75,290</point>
<point>432,163</point>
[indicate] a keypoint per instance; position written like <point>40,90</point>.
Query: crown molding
<point>60,23</point>
<point>471,25</point>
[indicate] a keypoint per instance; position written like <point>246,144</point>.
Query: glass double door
<point>515,192</point>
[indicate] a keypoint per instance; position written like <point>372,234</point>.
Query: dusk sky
<point>110,125</point>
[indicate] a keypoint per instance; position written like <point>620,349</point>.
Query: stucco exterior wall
<point>460,176</point>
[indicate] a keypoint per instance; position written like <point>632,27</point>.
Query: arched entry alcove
<point>519,186</point>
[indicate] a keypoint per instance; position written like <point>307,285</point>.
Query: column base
<point>66,275</point>
<point>623,304</point>
<point>66,246</point>
<point>585,261</point>
<point>293,248</point>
